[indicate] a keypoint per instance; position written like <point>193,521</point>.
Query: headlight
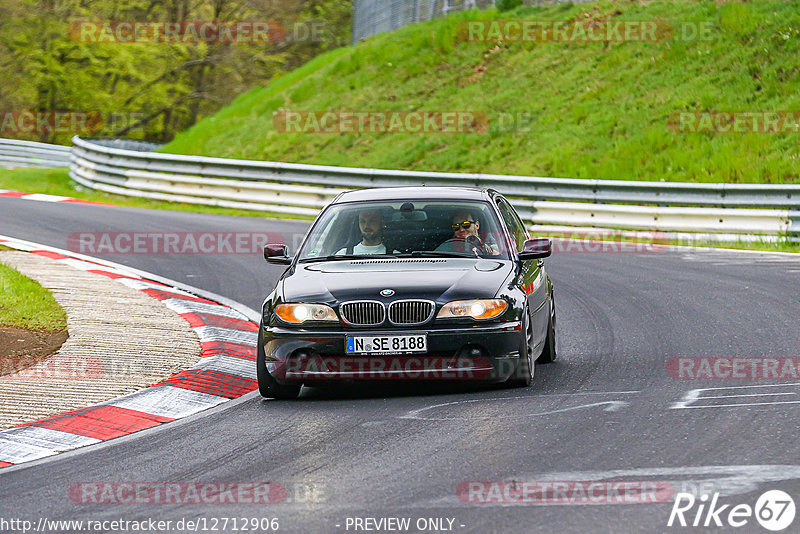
<point>477,309</point>
<point>297,313</point>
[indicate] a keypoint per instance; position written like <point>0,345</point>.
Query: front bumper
<point>484,353</point>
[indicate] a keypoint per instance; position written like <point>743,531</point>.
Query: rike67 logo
<point>774,510</point>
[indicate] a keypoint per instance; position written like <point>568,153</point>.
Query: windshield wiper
<point>347,257</point>
<point>441,254</point>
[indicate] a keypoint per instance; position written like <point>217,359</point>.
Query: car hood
<point>436,279</point>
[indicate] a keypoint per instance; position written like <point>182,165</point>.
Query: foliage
<point>507,5</point>
<point>148,90</point>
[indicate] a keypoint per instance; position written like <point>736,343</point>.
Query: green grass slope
<point>24,303</point>
<point>596,110</point>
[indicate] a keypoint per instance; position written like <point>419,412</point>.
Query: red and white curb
<point>41,197</point>
<point>226,370</point>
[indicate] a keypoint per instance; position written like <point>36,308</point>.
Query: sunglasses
<point>465,225</point>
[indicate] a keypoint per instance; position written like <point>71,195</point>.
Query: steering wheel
<point>460,244</point>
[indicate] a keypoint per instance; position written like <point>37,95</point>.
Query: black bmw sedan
<point>417,283</point>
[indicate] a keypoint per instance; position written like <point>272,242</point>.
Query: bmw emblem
<point>387,292</point>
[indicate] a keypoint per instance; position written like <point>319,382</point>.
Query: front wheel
<point>549,350</point>
<point>267,385</point>
<point>526,367</point>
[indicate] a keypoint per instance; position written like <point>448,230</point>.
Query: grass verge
<point>646,240</point>
<point>782,245</point>
<point>24,303</point>
<point>57,182</point>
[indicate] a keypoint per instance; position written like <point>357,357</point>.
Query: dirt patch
<point>480,69</point>
<point>20,348</point>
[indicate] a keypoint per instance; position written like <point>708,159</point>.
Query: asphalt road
<point>607,410</point>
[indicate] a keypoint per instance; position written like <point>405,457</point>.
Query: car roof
<point>414,193</point>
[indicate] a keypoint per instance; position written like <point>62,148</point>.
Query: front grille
<point>410,311</point>
<point>363,312</point>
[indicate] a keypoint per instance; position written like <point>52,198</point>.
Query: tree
<point>149,90</point>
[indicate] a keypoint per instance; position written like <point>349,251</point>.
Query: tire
<point>526,367</point>
<point>267,385</point>
<point>549,353</point>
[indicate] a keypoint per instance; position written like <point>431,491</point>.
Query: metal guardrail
<point>304,189</point>
<point>126,144</point>
<point>15,153</point>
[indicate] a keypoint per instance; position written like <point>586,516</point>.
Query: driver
<point>465,228</point>
<point>371,223</point>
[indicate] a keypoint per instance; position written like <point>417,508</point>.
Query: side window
<point>512,222</point>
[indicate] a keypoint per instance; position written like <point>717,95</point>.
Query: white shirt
<point>361,248</point>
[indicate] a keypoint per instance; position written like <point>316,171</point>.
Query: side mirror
<point>277,254</point>
<point>538,247</point>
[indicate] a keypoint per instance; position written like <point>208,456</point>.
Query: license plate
<point>386,344</point>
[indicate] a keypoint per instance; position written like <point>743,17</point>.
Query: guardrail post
<point>794,225</point>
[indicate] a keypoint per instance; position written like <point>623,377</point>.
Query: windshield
<point>405,229</point>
